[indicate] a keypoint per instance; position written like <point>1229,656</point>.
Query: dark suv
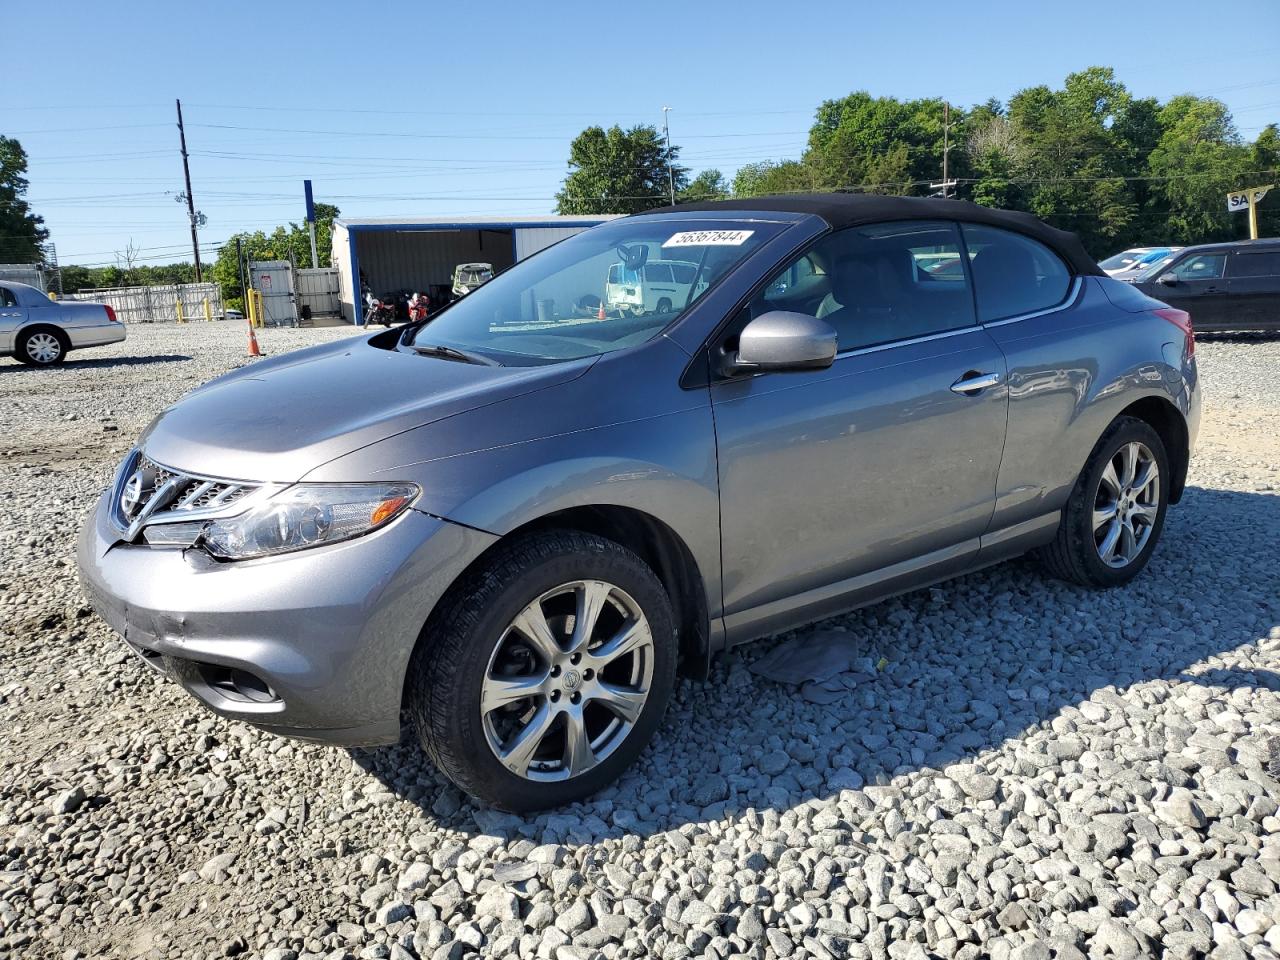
<point>1224,286</point>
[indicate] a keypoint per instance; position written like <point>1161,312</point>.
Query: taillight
<point>111,312</point>
<point>1182,320</point>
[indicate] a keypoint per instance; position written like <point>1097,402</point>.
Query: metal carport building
<point>414,253</point>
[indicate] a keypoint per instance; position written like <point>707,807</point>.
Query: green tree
<point>994,153</point>
<point>22,233</point>
<point>619,171</point>
<point>708,185</point>
<point>768,177</point>
<point>1071,164</point>
<point>879,144</point>
<point>1198,159</point>
<point>1264,165</point>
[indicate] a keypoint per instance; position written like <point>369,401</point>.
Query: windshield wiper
<point>451,353</point>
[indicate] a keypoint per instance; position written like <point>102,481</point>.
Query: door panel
<point>1254,296</point>
<point>1200,288</point>
<point>1205,300</point>
<point>826,475</point>
<point>12,317</point>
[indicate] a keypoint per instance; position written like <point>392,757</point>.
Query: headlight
<point>308,515</point>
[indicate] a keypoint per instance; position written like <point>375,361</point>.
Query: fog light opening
<point>239,685</point>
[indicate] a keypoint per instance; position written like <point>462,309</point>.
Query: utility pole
<point>946,184</point>
<point>946,144</point>
<point>244,293</point>
<point>191,203</point>
<point>671,177</point>
<point>311,220</point>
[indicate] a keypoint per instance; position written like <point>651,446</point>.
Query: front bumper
<point>327,631</point>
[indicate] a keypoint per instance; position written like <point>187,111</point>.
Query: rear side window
<point>1256,264</point>
<point>1013,275</point>
<point>657,273</point>
<point>7,298</point>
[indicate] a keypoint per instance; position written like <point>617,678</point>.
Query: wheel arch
<point>654,541</point>
<point>37,326</point>
<point>1163,417</point>
<point>659,546</point>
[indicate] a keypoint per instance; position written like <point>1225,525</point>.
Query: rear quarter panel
<point>86,323</point>
<point>1072,372</point>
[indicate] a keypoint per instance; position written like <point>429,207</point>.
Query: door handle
<point>973,381</point>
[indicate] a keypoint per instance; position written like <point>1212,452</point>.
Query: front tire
<point>545,672</point>
<point>41,348</point>
<point>1113,519</point>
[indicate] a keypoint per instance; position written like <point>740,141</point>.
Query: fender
<point>652,450</point>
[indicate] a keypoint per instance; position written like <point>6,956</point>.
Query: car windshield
<point>605,289</point>
<point>1119,261</point>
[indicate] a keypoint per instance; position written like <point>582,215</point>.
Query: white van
<point>660,286</point>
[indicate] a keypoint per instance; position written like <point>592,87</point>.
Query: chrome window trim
<point>889,345</point>
<point>1073,294</point>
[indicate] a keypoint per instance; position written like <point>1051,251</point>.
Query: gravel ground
<point>1019,768</point>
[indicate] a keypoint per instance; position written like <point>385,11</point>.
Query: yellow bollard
<point>261,311</point>
<point>181,318</point>
<point>208,311</point>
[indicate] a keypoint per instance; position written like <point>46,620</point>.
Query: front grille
<point>182,496</point>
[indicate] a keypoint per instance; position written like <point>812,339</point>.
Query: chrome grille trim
<point>168,495</point>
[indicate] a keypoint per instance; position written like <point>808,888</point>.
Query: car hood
<point>278,419</point>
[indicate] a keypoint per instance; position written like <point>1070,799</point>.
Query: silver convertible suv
<point>518,520</point>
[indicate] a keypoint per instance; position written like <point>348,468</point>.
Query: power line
<point>365,134</point>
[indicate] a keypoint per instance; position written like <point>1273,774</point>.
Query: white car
<point>659,286</point>
<point>41,332</point>
<point>1129,263</point>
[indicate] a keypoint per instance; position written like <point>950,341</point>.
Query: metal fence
<point>317,288</point>
<point>157,304</point>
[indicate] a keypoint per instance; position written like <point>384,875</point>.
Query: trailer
<point>395,255</point>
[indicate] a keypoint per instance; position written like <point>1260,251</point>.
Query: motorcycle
<point>379,311</point>
<point>419,307</point>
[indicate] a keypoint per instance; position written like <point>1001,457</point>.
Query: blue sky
<point>398,108</point>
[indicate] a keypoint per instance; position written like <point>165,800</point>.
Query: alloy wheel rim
<point>1126,505</point>
<point>567,681</point>
<point>43,347</point>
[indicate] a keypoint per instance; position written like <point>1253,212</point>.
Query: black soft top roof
<point>850,209</point>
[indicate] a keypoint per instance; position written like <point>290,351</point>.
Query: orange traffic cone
<point>254,351</point>
<point>600,312</point>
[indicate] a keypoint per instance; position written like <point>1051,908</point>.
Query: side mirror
<point>1168,279</point>
<point>781,340</point>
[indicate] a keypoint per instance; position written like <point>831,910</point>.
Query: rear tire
<point>1113,519</point>
<point>506,709</point>
<point>41,347</point>
<point>664,305</point>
